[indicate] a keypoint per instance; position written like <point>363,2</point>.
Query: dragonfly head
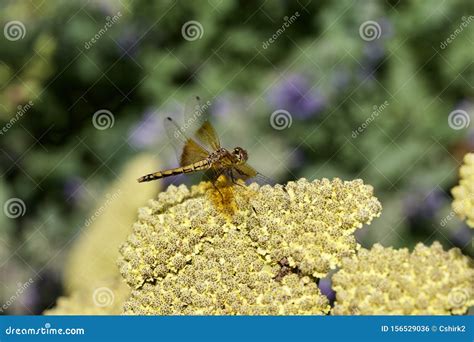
<point>240,155</point>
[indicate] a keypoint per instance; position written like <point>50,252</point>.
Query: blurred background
<point>377,90</point>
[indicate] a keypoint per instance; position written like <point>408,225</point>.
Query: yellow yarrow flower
<point>104,298</point>
<point>386,281</point>
<point>93,284</point>
<point>463,204</point>
<point>187,256</point>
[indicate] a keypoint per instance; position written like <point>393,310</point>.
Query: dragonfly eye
<point>240,154</point>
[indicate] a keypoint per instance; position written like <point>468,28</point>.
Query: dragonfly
<point>203,153</point>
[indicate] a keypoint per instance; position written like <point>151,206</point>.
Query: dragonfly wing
<point>196,116</point>
<point>188,150</point>
<point>208,136</point>
<point>192,152</point>
<point>248,174</point>
<point>244,171</point>
<point>212,174</point>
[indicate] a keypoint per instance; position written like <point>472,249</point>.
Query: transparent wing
<point>187,150</point>
<point>244,171</point>
<point>198,126</point>
<point>250,175</point>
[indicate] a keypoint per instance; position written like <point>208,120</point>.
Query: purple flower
<point>421,205</point>
<point>224,106</point>
<point>326,289</point>
<point>297,158</point>
<point>128,42</point>
<point>386,28</point>
<point>470,138</point>
<point>146,133</point>
<point>340,79</point>
<point>296,95</point>
<point>176,180</point>
<point>462,236</point>
<point>72,189</point>
<point>373,52</point>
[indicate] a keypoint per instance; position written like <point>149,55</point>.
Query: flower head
<point>385,281</point>
<point>463,194</point>
<point>104,298</point>
<point>188,256</point>
<point>91,279</point>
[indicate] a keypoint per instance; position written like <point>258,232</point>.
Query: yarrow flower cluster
<point>187,257</point>
<point>104,298</point>
<point>262,253</point>
<point>92,282</point>
<point>428,281</point>
<point>463,204</point>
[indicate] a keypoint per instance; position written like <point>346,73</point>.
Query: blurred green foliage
<point>320,70</point>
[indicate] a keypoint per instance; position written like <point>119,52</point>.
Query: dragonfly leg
<point>232,178</point>
<point>217,189</point>
<point>231,175</point>
<point>214,184</point>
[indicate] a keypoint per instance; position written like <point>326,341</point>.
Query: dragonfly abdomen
<point>198,166</point>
